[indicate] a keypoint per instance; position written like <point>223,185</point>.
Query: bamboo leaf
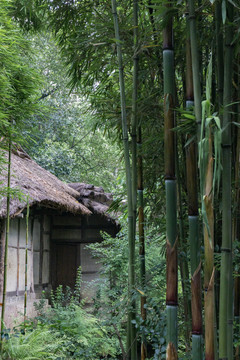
<point>217,121</point>
<point>234,4</point>
<point>189,116</point>
<point>141,292</point>
<point>190,140</point>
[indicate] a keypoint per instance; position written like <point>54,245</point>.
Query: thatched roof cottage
<point>63,219</point>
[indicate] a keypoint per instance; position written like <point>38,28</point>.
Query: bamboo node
<point>226,250</point>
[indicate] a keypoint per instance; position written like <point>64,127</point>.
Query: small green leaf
<point>237,124</point>
<point>189,116</point>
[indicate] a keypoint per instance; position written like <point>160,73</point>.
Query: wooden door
<point>67,262</point>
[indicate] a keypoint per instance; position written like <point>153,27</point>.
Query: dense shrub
<point>64,331</point>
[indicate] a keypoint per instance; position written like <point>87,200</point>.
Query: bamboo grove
<point>208,164</point>
<point>170,70</point>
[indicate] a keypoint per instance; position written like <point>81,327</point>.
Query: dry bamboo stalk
<point>26,265</point>
<point>6,240</point>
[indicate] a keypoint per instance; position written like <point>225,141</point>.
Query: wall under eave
<point>37,269</point>
<point>70,237</point>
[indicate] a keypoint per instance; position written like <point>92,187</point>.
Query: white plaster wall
<point>36,259</point>
<point>12,270</point>
<point>45,268</point>
<point>36,235</point>
<point>22,242</point>
<point>22,255</point>
<point>15,308</point>
<point>13,232</point>
<point>88,263</point>
<point>36,250</point>
<point>22,270</point>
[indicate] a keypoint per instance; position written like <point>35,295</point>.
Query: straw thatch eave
<point>43,188</point>
<point>95,199</point>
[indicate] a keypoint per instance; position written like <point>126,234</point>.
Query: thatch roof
<point>43,188</point>
<point>93,197</point>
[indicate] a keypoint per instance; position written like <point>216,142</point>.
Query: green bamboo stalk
<point>195,64</point>
<point>219,50</point>
<point>193,220</point>
<point>220,78</point>
<point>209,257</point>
<point>134,144</point>
<point>131,240</point>
<point>141,242</point>
<point>236,237</point>
<point>134,110</point>
<point>26,264</point>
<point>226,283</point>
<point>6,240</point>
<point>183,263</point>
<point>171,190</point>
<point>236,222</point>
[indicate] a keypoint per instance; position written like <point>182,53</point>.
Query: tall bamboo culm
<point>134,124</point>
<point>226,280</point>
<point>193,220</point>
<point>209,256</point>
<point>195,64</point>
<point>6,240</point>
<point>171,190</point>
<point>141,241</point>
<point>131,239</point>
<point>219,50</point>
<point>26,265</point>
<point>236,222</point>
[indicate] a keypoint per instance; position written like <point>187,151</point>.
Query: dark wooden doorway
<point>67,263</point>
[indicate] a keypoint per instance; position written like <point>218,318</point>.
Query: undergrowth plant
<point>64,331</point>
<point>110,301</point>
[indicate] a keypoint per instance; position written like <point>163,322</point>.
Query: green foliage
<point>65,331</point>
<point>29,14</point>
<point>211,131</point>
<point>19,83</point>
<point>110,303</point>
<point>64,139</point>
<point>35,344</point>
